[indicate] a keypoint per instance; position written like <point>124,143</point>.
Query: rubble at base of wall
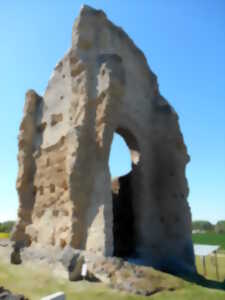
<point>115,272</point>
<point>7,295</point>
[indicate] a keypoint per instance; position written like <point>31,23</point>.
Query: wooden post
<point>217,269</point>
<point>204,266</point>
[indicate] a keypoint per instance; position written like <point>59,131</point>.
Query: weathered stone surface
<point>130,277</point>
<point>72,260</point>
<point>56,296</point>
<point>103,85</point>
<point>113,271</point>
<point>7,295</point>
<point>15,257</point>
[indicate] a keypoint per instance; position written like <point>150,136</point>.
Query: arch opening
<point>124,157</point>
<point>120,157</point>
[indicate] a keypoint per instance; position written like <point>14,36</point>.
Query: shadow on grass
<point>204,282</point>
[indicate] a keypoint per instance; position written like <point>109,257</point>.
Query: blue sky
<point>184,42</point>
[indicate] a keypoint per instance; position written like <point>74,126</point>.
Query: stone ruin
<point>102,86</point>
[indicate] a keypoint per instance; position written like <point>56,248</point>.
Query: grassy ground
<point>36,283</point>
<point>4,235</point>
<point>209,238</point>
<point>191,292</point>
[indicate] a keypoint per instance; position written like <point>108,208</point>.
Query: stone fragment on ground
<point>73,260</point>
<point>132,278</point>
<point>118,273</point>
<point>5,242</point>
<point>56,296</point>
<point>115,272</point>
<point>7,295</point>
<point>15,257</point>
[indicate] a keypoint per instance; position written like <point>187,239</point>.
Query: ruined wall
<point>103,85</point>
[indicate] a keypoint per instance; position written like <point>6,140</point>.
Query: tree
<point>6,226</point>
<point>220,227</point>
<point>202,225</point>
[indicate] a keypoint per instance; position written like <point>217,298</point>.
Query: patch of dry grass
<point>36,283</point>
<point>4,235</point>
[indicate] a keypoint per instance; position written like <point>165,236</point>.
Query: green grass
<point>209,238</point>
<point>38,282</point>
<point>4,235</point>
<point>191,292</point>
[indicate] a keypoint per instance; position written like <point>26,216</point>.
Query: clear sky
<point>184,42</point>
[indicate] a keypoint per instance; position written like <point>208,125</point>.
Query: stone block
<point>56,296</point>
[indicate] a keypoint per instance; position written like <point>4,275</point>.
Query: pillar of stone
<point>103,85</point>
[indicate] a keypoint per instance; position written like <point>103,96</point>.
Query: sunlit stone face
<point>103,86</point>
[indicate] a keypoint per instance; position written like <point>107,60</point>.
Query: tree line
<point>6,226</point>
<point>202,225</point>
<point>219,227</point>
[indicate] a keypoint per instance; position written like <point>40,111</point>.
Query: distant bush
<point>202,225</point>
<point>220,227</point>
<point>6,226</point>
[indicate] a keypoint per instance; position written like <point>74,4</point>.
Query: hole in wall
<point>41,190</point>
<point>122,159</point>
<point>52,188</point>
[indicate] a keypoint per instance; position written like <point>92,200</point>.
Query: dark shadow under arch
<point>123,208</point>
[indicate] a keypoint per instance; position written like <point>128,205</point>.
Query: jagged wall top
<point>103,85</point>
